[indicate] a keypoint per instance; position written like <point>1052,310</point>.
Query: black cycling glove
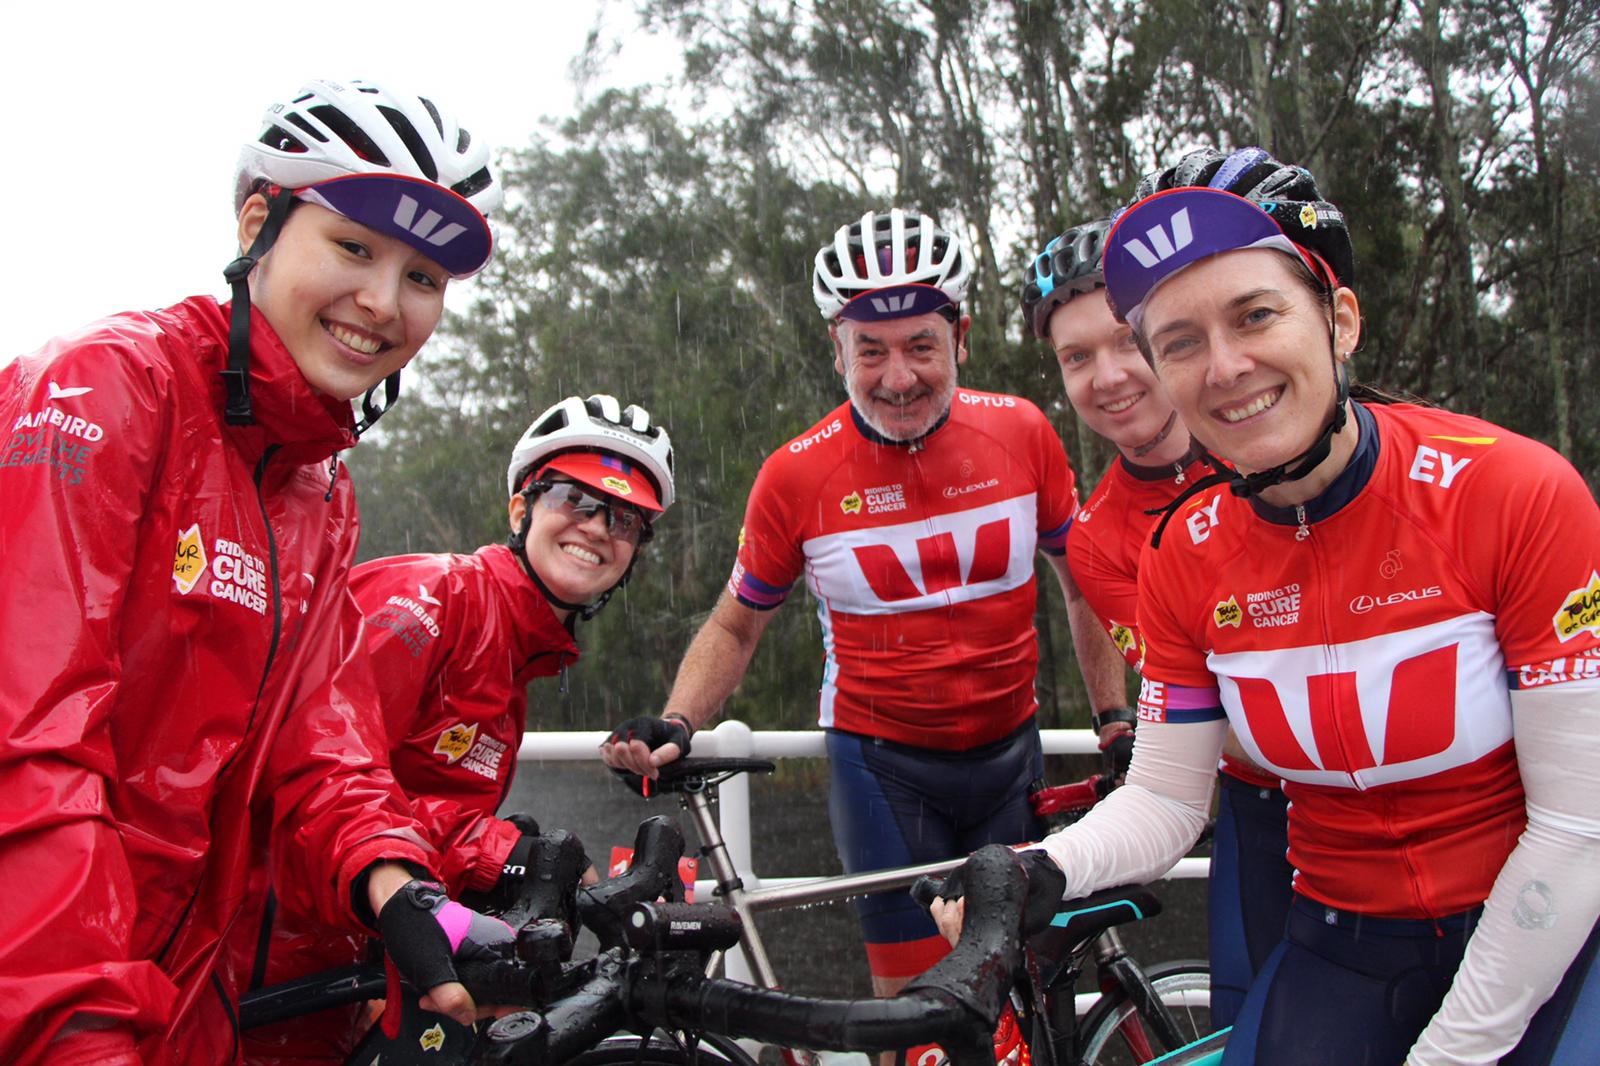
<point>654,732</point>
<point>425,933</point>
<point>1046,883</point>
<point>1115,756</point>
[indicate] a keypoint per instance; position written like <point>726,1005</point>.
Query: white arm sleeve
<point>1139,831</point>
<point>1547,895</point>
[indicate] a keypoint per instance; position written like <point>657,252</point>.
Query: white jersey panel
<point>930,563</point>
<point>1366,694</point>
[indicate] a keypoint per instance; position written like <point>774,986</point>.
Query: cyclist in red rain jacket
<point>455,641</point>
<point>182,685</point>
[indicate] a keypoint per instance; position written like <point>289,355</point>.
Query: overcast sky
<point>123,120</point>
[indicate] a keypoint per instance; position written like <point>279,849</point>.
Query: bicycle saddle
<point>693,774</point>
<point>1080,919</point>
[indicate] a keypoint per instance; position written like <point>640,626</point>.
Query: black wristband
<point>1098,720</point>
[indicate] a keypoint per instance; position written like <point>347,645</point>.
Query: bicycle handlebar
<point>956,1003</point>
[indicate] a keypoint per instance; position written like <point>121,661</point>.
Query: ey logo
<point>427,227</point>
<point>893,305</point>
<point>940,562</point>
<point>1338,728</point>
<point>1161,245</point>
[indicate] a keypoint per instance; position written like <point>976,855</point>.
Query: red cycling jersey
<point>1103,549</point>
<point>1366,649</point>
<point>920,558</point>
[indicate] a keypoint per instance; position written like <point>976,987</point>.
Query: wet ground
<point>817,950</point>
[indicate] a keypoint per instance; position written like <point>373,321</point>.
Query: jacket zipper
<point>266,671</point>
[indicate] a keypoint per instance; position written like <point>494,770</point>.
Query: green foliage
<point>662,253</point>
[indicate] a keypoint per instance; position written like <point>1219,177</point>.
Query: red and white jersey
<point>1107,536</point>
<point>920,558</point>
<point>1369,660</point>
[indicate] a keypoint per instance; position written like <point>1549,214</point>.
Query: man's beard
<point>939,405</point>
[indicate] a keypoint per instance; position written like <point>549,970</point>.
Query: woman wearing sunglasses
<point>456,639</point>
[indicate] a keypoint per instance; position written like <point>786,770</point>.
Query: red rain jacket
<point>181,686</point>
<point>455,641</point>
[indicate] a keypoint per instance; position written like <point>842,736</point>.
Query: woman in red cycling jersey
<point>455,641</point>
<point>1397,609</point>
<point>182,687</point>
<point>1116,394</point>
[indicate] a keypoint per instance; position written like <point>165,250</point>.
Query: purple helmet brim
<point>435,221</point>
<point>1176,228</point>
<point>894,301</point>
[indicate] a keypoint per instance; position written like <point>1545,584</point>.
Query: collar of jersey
<point>1345,487</point>
<point>878,438</point>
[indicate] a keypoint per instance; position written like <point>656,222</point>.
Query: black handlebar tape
<point>978,971</point>
<point>682,927</point>
<point>733,1008</point>
<point>657,847</point>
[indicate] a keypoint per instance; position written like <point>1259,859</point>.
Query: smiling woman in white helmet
<point>455,640</point>
<point>181,689</point>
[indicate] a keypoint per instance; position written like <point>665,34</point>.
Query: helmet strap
<point>236,376</point>
<point>1159,439</point>
<point>370,411</point>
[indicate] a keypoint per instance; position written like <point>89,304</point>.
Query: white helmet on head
<point>331,132</point>
<point>597,424</point>
<point>889,250</point>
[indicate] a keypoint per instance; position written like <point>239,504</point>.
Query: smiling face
<point>1108,382</point>
<point>1241,345</point>
<point>350,304</point>
<point>900,373</point>
<point>576,558</point>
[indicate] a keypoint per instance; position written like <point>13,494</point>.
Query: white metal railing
<point>734,739</point>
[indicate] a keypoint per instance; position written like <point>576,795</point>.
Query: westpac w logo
<point>893,305</point>
<point>427,227</point>
<point>941,563</point>
<point>1165,247</point>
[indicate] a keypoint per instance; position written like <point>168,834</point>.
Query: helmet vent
<point>413,141</point>
<point>281,139</point>
<point>433,113</point>
<point>473,183</point>
<point>300,120</point>
<point>350,133</point>
<point>463,140</point>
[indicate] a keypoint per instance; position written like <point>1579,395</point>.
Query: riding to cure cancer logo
<point>456,741</point>
<point>1580,611</point>
<point>189,564</point>
<point>1227,613</point>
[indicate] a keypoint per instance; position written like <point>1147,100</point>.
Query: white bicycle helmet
<point>331,134</point>
<point>884,250</point>
<point>599,423</point>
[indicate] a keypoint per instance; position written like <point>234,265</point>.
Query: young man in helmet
<point>913,510</point>
<point>455,641</point>
<point>182,685</point>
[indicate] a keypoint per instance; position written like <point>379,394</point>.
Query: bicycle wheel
<point>663,1050</point>
<point>1115,1035</point>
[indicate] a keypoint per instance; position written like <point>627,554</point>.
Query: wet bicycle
<point>1135,1014</point>
<point>651,978</point>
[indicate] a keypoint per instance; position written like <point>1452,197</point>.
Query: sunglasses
<point>623,521</point>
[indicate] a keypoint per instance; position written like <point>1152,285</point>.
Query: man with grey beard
<point>914,511</point>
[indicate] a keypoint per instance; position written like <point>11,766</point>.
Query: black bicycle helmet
<point>1069,266</point>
